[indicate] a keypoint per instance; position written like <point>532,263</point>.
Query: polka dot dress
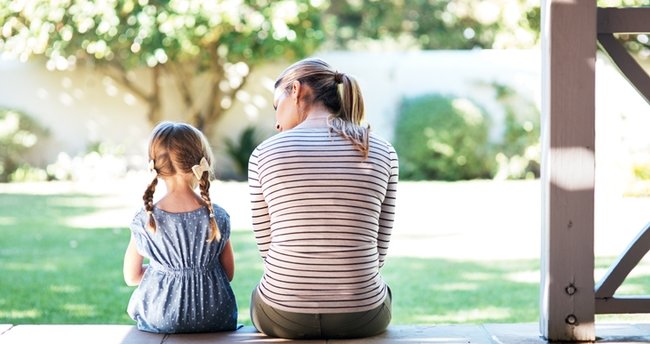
<point>185,288</point>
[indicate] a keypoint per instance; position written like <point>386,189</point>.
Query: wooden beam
<point>626,64</point>
<point>624,20</point>
<point>623,305</point>
<point>624,265</point>
<point>568,151</point>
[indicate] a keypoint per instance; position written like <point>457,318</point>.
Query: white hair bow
<point>202,167</point>
<point>152,168</point>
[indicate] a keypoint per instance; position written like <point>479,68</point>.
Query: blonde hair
<point>338,92</point>
<point>177,147</point>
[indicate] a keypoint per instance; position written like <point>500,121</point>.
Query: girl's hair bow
<point>202,167</point>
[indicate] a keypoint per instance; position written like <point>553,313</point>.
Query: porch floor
<point>473,333</point>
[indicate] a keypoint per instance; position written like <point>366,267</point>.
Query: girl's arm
<point>133,269</point>
<point>227,260</point>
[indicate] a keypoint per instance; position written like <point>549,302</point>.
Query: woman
<point>323,200</point>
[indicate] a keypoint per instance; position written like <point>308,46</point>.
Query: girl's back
<point>185,288</point>
<point>186,238</point>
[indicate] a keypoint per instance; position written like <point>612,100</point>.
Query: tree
<point>201,44</point>
<point>439,24</point>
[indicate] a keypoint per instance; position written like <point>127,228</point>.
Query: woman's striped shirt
<point>322,217</point>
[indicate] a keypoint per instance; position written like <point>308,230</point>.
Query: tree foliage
<point>202,44</point>
<point>212,46</point>
<point>435,24</point>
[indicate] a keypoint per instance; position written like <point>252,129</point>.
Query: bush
<point>241,150</point>
<point>18,133</point>
<point>443,138</point>
<point>519,150</point>
<point>102,161</point>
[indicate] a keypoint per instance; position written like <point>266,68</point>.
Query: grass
<point>53,271</point>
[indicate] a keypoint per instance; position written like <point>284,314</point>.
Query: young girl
<point>186,285</point>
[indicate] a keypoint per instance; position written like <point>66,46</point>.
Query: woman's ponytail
<point>348,122</point>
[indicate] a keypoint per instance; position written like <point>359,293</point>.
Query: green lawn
<point>52,271</point>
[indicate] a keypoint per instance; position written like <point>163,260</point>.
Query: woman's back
<point>322,216</point>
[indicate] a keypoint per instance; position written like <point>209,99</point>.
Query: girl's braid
<point>204,184</point>
<point>148,203</point>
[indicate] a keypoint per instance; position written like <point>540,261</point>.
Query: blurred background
<point>455,85</point>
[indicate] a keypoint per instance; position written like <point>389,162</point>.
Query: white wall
<point>82,106</point>
<point>388,77</point>
<point>77,107</point>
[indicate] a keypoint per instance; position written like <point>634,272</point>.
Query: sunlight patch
<point>456,287</point>
<point>631,289</point>
<point>20,314</point>
<point>524,277</point>
<point>7,221</point>
<point>477,276</point>
<point>623,318</point>
<point>81,310</point>
<point>244,314</point>
<point>16,266</point>
<point>68,289</point>
<point>100,219</point>
<point>475,315</point>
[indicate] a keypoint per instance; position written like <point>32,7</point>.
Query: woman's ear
<point>295,90</point>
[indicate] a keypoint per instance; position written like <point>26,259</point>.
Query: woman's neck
<point>316,118</point>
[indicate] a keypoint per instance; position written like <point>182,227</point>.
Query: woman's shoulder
<point>379,141</point>
<point>275,138</point>
<point>293,136</point>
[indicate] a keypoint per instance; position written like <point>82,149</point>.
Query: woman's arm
<point>259,208</point>
<point>133,269</point>
<point>387,216</point>
<point>227,260</point>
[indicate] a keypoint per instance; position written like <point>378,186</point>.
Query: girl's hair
<point>174,148</point>
<point>338,92</point>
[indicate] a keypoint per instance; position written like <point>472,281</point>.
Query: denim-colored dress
<point>185,288</point>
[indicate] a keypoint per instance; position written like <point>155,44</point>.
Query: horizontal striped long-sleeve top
<point>322,218</point>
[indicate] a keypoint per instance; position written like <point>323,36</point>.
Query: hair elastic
<point>338,77</point>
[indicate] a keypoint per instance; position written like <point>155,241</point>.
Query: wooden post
<point>568,130</point>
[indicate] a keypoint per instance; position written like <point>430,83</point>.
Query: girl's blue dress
<point>185,288</point>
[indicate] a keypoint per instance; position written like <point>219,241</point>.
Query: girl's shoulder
<point>219,211</point>
<point>223,220</point>
<point>139,220</point>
